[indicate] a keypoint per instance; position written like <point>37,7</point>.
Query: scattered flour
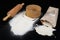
<point>21,24</point>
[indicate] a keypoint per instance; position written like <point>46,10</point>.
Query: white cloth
<point>21,24</point>
<point>43,30</point>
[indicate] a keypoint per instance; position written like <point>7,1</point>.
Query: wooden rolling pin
<point>13,11</point>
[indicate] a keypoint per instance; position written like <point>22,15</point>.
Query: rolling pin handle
<point>5,18</point>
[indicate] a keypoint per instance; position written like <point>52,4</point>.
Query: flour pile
<point>43,30</point>
<point>21,24</point>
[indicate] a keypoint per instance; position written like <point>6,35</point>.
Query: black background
<point>6,5</point>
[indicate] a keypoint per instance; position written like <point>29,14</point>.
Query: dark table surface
<point>6,5</point>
